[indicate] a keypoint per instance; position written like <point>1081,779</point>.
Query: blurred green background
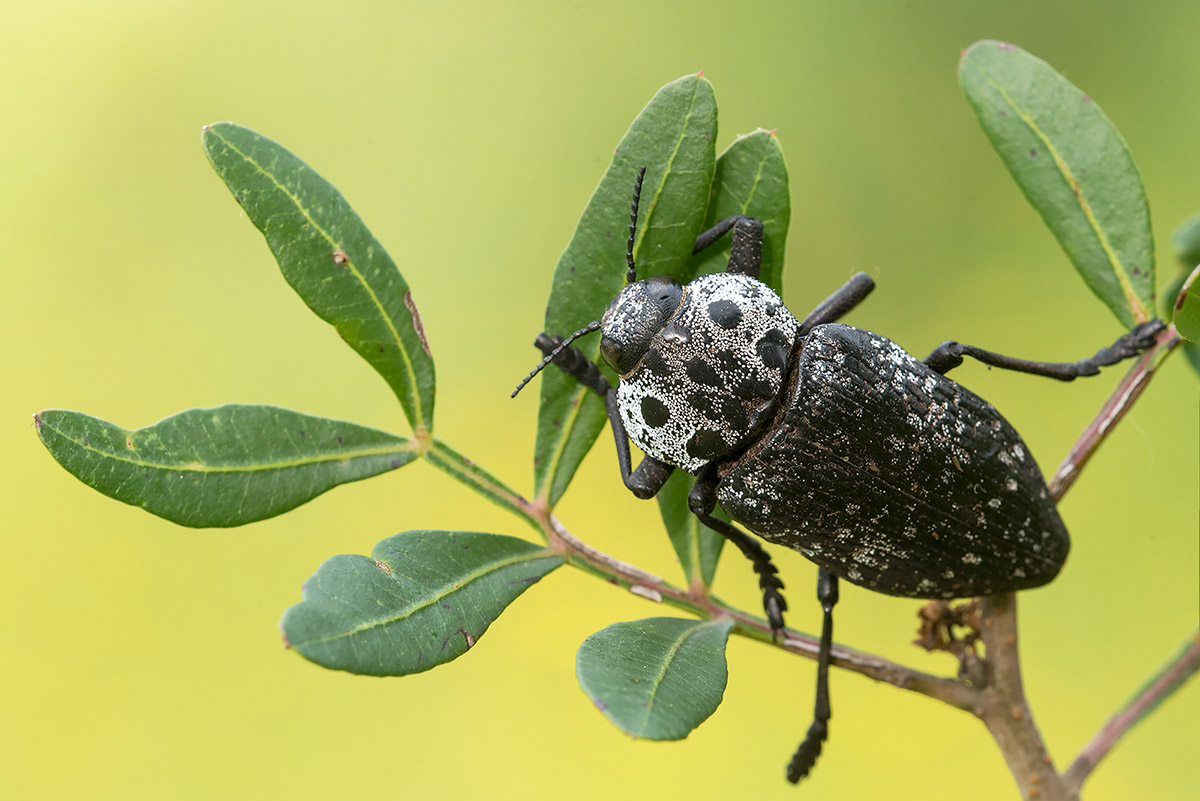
<point>141,660</point>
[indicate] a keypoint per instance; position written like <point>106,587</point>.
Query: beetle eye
<point>610,350</point>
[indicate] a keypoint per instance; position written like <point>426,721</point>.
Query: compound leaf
<point>330,258</point>
<point>223,466</point>
<point>673,137</point>
<point>657,678</point>
<point>422,599</point>
<point>1073,167</point>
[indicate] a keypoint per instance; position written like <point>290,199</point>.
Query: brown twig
<point>1005,711</point>
<point>647,585</point>
<point>1130,388</point>
<point>1181,667</point>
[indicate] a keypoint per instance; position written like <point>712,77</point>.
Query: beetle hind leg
<point>702,500</point>
<point>948,355</point>
<point>810,748</point>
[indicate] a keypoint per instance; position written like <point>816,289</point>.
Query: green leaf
<point>330,258</point>
<point>697,545</point>
<point>673,137</point>
<point>1186,241</point>
<point>1187,308</point>
<point>1073,167</point>
<point>223,466</point>
<point>657,678</point>
<point>423,598</point>
<point>751,178</point>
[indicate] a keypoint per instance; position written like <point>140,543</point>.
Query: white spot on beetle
<point>971,559</point>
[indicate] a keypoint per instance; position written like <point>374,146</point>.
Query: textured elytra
<point>895,478</point>
<point>711,376</point>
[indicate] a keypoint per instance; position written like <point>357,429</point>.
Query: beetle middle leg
<point>746,247</point>
<point>948,355</point>
<point>702,500</point>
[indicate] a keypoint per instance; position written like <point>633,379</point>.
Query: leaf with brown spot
<point>440,592</point>
<point>330,258</point>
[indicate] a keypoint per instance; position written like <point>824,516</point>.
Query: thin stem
<point>1130,388</point>
<point>1170,677</point>
<point>580,554</point>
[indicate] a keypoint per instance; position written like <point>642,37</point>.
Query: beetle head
<point>634,318</point>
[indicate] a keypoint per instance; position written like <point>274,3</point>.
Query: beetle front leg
<point>746,247</point>
<point>702,500</point>
<point>651,474</point>
<point>806,755</point>
<point>948,355</point>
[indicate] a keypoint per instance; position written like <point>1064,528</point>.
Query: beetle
<point>822,437</point>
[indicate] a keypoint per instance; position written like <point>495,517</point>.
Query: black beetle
<point>825,438</point>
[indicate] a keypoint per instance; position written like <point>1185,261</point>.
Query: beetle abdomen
<point>896,478</point>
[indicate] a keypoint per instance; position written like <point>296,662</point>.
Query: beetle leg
<point>949,355</point>
<point>702,500</point>
<point>572,362</point>
<point>806,755</point>
<point>851,293</point>
<point>745,251</point>
<point>651,474</point>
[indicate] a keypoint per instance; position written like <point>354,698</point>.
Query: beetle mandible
<point>822,437</point>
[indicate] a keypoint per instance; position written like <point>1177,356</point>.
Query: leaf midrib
<point>1135,304</point>
<point>196,467</point>
<point>656,684</point>
<point>413,392</point>
<point>454,586</point>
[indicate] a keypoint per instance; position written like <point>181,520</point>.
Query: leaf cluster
<point>423,598</point>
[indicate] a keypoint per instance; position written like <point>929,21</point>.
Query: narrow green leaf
<point>1187,308</point>
<point>1073,167</point>
<point>223,466</point>
<point>460,467</point>
<point>330,258</point>
<point>673,137</point>
<point>1186,241</point>
<point>657,678</point>
<point>423,598</point>
<point>752,179</point>
<point>698,546</point>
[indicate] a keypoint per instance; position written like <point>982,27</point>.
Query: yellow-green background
<point>141,660</point>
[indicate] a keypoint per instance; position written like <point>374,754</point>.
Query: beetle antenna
<point>589,328</point>
<point>631,273</point>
